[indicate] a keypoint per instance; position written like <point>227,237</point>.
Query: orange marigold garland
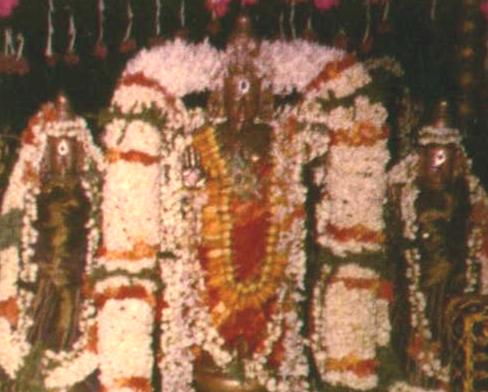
<point>218,225</point>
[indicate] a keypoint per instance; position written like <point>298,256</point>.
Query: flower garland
<point>60,369</point>
<point>350,319</point>
<point>404,174</point>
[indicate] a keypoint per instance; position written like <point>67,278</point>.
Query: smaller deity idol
<point>56,175</point>
<point>432,199</point>
<point>60,251</point>
<point>243,140</point>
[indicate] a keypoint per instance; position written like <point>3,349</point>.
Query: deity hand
<point>193,176</point>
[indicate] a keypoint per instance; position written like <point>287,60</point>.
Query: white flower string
<point>386,11</point>
<point>8,48</point>
<point>20,46</point>
<point>282,24</point>
<point>183,13</point>
<point>71,34</point>
<point>367,29</point>
<point>157,17</point>
<point>50,30</point>
<point>292,20</point>
<point>101,20</point>
<point>130,21</point>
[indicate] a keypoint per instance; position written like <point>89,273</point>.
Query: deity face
<point>241,99</point>
<point>63,156</point>
<point>437,165</point>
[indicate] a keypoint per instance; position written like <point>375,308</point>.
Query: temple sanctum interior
<point>243,196</point>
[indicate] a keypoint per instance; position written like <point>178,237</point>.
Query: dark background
<point>430,50</point>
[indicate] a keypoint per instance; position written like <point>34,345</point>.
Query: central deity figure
<point>244,222</point>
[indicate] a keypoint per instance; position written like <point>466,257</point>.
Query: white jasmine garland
<point>295,63</point>
<point>348,322</point>
<point>131,194</point>
<point>125,344</point>
<point>173,66</point>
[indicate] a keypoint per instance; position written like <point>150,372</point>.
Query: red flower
<point>156,41</point>
<point>218,7</point>
<point>100,50</point>
<point>325,5</point>
<point>51,60</point>
<point>128,46</point>
<point>22,67</point>
<point>6,7</point>
<point>484,9</point>
<point>71,58</point>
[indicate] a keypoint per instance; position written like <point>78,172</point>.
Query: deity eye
<point>244,86</point>
<point>63,147</point>
<point>439,158</point>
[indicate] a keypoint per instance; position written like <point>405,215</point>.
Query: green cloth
<point>10,228</point>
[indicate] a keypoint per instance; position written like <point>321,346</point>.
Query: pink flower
<point>324,5</point>
<point>484,9</point>
<point>218,7</point>
<point>6,7</point>
<point>248,2</point>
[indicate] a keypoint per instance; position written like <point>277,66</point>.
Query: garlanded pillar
<point>349,315</point>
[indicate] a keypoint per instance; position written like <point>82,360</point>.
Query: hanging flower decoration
<point>100,50</point>
<point>219,8</point>
<point>48,51</point>
<point>12,60</point>
<point>156,39</point>
<point>128,44</point>
<point>7,7</point>
<point>324,5</point>
<point>71,58</point>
